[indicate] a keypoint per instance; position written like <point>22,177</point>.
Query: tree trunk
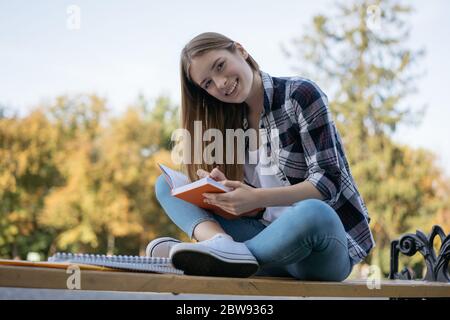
<point>111,244</point>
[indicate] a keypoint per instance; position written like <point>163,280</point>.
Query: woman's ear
<point>241,50</point>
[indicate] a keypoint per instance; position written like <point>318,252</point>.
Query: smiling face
<point>223,74</point>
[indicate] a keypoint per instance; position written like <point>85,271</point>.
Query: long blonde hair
<point>198,105</point>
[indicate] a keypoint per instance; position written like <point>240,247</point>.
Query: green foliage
<point>72,178</point>
<point>27,173</point>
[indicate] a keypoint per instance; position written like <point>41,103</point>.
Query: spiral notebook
<point>133,263</point>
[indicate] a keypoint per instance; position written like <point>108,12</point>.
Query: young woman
<point>314,225</point>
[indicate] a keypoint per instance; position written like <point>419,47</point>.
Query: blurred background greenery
<point>74,177</point>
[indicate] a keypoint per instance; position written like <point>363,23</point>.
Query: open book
<point>192,191</point>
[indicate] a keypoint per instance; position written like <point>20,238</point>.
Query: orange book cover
<point>192,192</point>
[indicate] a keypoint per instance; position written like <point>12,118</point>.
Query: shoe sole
<point>197,263</point>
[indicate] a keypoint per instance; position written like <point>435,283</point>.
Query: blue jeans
<point>306,242</point>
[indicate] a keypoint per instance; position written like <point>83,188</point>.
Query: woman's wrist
<point>262,195</point>
<point>287,195</point>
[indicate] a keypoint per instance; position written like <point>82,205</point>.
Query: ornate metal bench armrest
<point>409,244</point>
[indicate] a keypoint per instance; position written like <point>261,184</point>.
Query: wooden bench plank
<point>32,277</point>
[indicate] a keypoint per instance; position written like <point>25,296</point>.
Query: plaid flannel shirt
<point>308,147</point>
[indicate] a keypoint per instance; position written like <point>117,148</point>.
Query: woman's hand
<point>242,199</point>
<point>215,174</point>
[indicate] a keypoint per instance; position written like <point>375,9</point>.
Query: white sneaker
<point>160,247</point>
<point>219,256</point>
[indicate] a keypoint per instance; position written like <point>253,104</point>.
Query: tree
<point>71,209</point>
<point>127,170</point>
<point>359,55</point>
<point>74,179</point>
<point>27,173</point>
<point>109,174</point>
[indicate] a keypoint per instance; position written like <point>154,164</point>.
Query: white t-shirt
<point>260,171</point>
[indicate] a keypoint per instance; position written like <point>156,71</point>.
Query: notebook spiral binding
<point>136,263</point>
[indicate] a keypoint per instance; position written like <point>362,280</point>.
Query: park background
<point>89,97</point>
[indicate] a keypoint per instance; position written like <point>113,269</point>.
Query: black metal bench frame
<point>436,264</point>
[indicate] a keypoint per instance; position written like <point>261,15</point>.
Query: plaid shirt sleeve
<point>318,139</point>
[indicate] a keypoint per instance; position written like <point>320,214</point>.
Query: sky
<point>126,48</point>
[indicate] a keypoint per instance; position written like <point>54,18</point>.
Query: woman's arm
<point>318,139</point>
<point>320,148</point>
<point>288,195</point>
<point>245,198</point>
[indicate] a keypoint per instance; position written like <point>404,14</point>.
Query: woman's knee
<point>315,213</point>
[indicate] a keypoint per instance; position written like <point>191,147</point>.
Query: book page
<point>199,183</point>
<point>177,179</point>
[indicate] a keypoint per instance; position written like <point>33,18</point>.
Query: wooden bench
<point>435,284</point>
<point>34,277</point>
